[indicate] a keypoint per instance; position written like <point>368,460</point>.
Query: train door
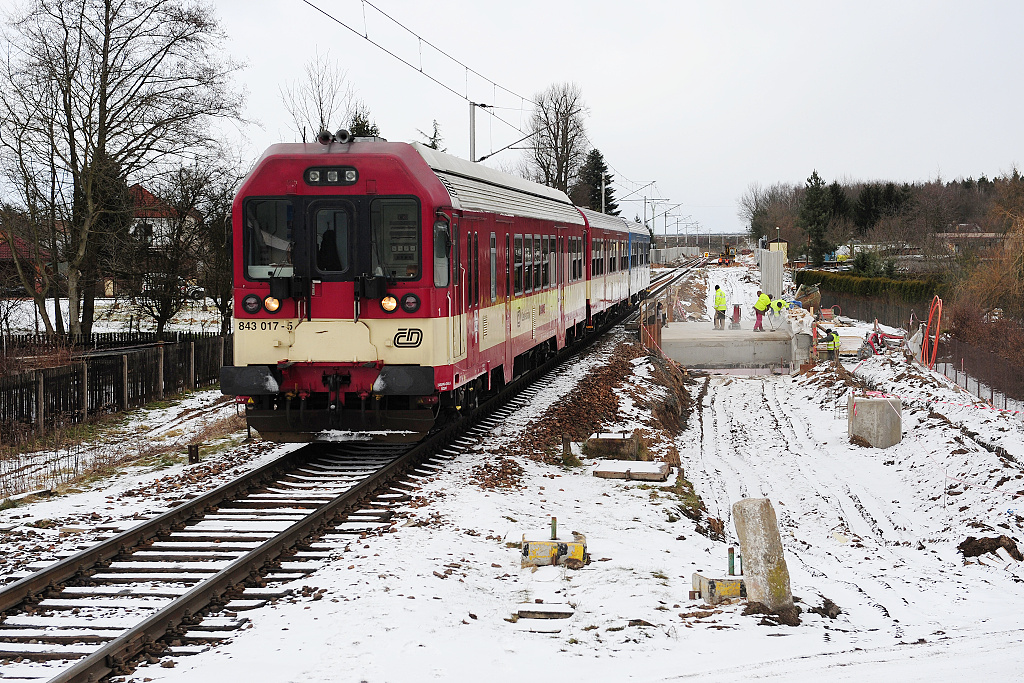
<point>473,261</point>
<point>507,269</point>
<point>459,294</point>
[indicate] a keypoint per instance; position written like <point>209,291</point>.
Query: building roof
<point>23,247</point>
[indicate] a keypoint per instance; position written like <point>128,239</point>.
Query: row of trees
<point>817,216</point>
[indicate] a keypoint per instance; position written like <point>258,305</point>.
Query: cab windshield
<point>269,223</point>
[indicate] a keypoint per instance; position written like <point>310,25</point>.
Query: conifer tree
<point>587,191</point>
<point>815,214</point>
<point>362,126</point>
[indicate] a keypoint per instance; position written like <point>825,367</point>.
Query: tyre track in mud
<point>771,447</point>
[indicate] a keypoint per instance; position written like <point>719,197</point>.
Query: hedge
<point>910,291</point>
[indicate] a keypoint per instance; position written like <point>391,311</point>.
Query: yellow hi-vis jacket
<point>719,300</point>
<point>763,302</point>
<point>833,343</point>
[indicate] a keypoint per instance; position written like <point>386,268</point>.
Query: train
<point>383,288</point>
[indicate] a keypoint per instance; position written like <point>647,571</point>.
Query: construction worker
<point>760,306</point>
<point>720,307</point>
<point>832,344</point>
<point>779,305</point>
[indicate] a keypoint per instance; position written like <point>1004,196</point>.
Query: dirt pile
<point>973,547</point>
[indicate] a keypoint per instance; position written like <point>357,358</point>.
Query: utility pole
<point>472,128</point>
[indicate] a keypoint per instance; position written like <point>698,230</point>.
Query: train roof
<point>618,223</point>
<point>476,187</point>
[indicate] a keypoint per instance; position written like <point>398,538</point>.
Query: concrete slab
<point>699,345</point>
<point>531,610</point>
<point>632,470</point>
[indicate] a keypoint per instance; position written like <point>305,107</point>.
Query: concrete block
<point>621,447</point>
<point>714,591</point>
<point>538,553</point>
<point>879,421</point>
<point>530,610</point>
<point>625,469</point>
<point>764,566</point>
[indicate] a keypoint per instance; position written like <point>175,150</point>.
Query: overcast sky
<point>703,97</point>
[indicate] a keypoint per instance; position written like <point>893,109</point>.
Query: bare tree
<point>215,246</point>
<point>559,145</point>
<point>320,97</point>
<point>136,84</point>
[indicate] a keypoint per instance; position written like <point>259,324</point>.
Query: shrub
<point>910,291</point>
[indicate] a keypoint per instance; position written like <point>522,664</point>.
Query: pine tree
<point>362,126</point>
<point>433,140</point>
<point>815,214</point>
<point>587,190</point>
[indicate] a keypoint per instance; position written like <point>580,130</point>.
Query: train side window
<point>494,268</point>
<point>545,262</point>
<point>518,251</point>
<point>395,238</point>
<point>528,263</point>
<point>538,262</point>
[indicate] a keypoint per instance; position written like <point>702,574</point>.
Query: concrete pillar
<point>878,421</point>
<point>764,566</point>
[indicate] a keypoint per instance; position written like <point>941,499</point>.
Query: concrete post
<point>765,570</point>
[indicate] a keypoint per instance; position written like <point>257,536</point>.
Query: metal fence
<point>983,373</point>
<point>32,403</point>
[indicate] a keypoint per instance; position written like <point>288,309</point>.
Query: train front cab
<point>339,324</point>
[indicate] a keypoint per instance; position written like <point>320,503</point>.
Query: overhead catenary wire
<point>467,69</point>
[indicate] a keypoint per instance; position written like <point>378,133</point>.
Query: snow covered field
<point>873,530</point>
<point>112,315</point>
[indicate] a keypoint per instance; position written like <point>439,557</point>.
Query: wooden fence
<point>31,403</point>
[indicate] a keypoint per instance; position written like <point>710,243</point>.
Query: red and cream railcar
<point>378,285</point>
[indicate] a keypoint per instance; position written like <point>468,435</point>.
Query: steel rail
<point>113,656</point>
<point>74,566</point>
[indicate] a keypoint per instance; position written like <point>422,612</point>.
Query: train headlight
<point>271,304</point>
<point>410,303</point>
<point>332,176</point>
<point>314,176</point>
<point>389,304</point>
<point>351,175</point>
<point>251,304</point>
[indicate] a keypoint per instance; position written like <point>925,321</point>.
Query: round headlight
<point>389,304</point>
<point>251,304</point>
<point>410,303</point>
<point>271,304</point>
<point>314,176</point>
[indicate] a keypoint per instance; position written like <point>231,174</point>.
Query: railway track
<point>180,580</point>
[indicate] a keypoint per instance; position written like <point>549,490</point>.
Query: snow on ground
<point>873,530</point>
<point>117,315</point>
